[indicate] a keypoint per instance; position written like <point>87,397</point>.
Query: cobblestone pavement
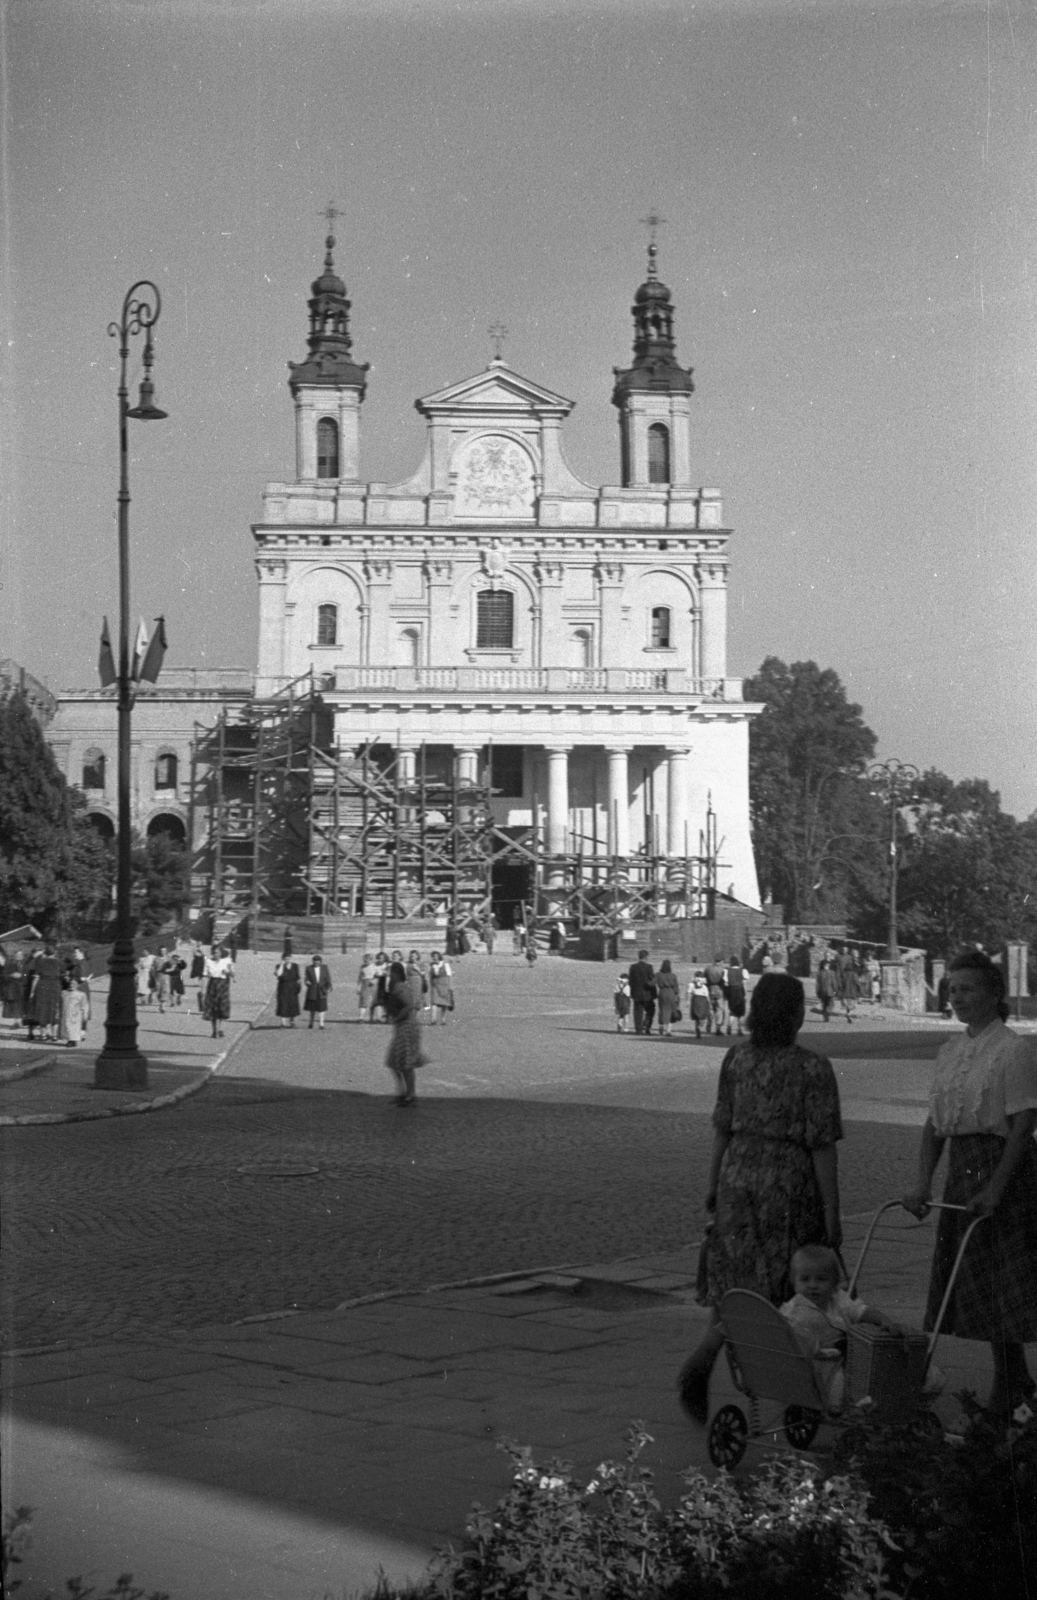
<point>542,1138</point>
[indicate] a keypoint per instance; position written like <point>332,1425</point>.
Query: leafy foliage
<point>787,1530</point>
<point>161,882</point>
<point>963,1513</point>
<point>807,749</point>
<point>51,866</point>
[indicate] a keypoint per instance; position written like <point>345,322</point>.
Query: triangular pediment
<point>497,389</point>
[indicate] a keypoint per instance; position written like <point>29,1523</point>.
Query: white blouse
<point>981,1082</point>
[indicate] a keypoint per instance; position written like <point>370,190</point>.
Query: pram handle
<point>931,1205</point>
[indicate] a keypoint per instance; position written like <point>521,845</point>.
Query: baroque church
<point>496,613</point>
<point>492,620</point>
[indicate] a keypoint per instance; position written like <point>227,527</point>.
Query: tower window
<point>660,627</point>
<point>495,620</point>
<point>327,448</point>
<point>93,769</point>
<point>327,624</point>
<point>166,771</point>
<point>658,453</point>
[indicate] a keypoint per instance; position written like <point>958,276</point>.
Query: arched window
<point>658,453</point>
<point>327,448</point>
<point>495,619</point>
<point>660,627</point>
<point>93,769</point>
<point>166,771</point>
<point>327,624</point>
<point>168,826</point>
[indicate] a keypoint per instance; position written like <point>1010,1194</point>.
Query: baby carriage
<point>767,1363</point>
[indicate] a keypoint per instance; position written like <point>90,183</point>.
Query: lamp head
<point>146,410</point>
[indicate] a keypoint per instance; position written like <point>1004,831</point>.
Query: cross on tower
<point>330,212</point>
<point>498,333</point>
<point>653,222</point>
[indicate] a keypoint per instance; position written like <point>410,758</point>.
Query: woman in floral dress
<point>773,1183</point>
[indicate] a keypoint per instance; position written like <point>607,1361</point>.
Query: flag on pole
<point>106,661</point>
<point>152,663</point>
<point>140,645</point>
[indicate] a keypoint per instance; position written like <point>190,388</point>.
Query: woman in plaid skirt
<point>983,1107</point>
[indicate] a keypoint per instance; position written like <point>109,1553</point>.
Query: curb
<point>137,1108</point>
<point>15,1074</point>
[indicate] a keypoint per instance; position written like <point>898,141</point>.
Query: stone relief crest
<point>495,560</point>
<point>495,479</point>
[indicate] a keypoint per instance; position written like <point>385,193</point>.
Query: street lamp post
<point>120,1064</point>
<point>896,779</point>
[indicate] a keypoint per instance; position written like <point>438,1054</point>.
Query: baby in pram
<point>822,1314</point>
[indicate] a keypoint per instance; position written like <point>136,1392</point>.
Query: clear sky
<point>850,241</point>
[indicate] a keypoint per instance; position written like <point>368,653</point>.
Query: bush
<point>962,1509</point>
<point>789,1530</point>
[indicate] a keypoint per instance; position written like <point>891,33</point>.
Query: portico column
<point>619,804</point>
<point>467,768</point>
<point>557,801</point>
<point>677,811</point>
<point>406,767</point>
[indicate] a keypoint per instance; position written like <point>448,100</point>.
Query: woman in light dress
<point>367,988</point>
<point>441,987</point>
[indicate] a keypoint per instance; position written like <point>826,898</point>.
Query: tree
<point>50,867</point>
<point>161,882</point>
<point>970,870</point>
<point>813,822</point>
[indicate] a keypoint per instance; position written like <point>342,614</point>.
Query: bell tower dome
<point>653,395</point>
<point>328,386</point>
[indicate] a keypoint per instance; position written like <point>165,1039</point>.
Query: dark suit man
<point>642,993</point>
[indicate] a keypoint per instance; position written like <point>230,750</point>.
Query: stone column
<point>677,811</point>
<point>467,767</point>
<point>406,767</point>
<point>557,801</point>
<point>618,804</point>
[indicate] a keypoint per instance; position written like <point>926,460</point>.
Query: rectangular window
<point>660,627</point>
<point>327,625</point>
<point>495,620</point>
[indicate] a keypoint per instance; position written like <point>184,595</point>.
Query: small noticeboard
<point>1018,956</point>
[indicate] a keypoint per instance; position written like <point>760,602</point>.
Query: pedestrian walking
<point>716,975</point>
<point>642,992</point>
<point>318,986</point>
<point>163,975</point>
<point>826,984</point>
<point>178,967</point>
<point>983,1109</point>
<point>219,969</point>
<point>849,983</point>
<point>773,1180</point>
<point>197,973</point>
<point>441,988</point>
<point>489,934</point>
<point>873,976</point>
<point>621,1002</point>
<point>145,977</point>
<point>289,984</point>
<point>699,1009</point>
<point>734,994</point>
<point>366,988</point>
<point>381,986</point>
<point>75,1002</point>
<point>13,987</point>
<point>405,1054</point>
<point>668,998</point>
<point>45,995</point>
<point>416,970</point>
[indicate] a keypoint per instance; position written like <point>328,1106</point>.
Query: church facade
<point>494,615</point>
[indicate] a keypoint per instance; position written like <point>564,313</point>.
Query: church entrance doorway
<point>511,883</point>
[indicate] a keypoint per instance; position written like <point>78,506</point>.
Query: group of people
<point>844,979</point>
<point>48,994</point>
<point>772,1192</point>
<point>160,977</point>
<point>312,983</point>
<point>434,985</point>
<point>716,997</point>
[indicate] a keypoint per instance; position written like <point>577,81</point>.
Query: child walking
<point>621,1001</point>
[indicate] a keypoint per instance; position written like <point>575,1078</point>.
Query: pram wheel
<point>801,1424</point>
<point>728,1436</point>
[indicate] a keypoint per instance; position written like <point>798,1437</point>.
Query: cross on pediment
<point>498,333</point>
